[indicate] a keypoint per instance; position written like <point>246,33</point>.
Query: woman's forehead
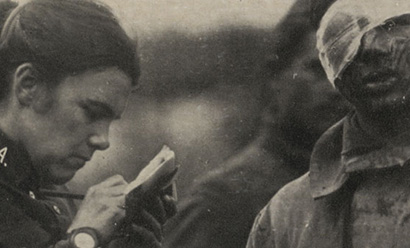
<point>108,85</point>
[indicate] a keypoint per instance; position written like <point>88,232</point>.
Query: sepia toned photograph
<point>204,124</point>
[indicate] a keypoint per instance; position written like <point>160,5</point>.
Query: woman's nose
<point>99,138</point>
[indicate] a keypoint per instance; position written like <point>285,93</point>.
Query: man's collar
<point>326,171</point>
<point>345,148</point>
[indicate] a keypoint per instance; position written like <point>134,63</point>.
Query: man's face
<point>378,80</point>
<point>76,122</point>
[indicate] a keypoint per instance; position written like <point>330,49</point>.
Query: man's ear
<point>26,84</point>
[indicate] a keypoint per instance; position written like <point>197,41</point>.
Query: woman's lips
<point>78,162</point>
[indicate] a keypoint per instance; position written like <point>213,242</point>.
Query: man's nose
<point>99,137</point>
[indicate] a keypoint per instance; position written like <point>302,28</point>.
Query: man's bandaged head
<point>384,52</point>
<point>343,27</point>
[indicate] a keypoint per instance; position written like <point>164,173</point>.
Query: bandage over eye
<point>387,51</point>
<point>344,25</point>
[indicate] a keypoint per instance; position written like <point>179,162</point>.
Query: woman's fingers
<point>170,205</point>
<point>155,207</point>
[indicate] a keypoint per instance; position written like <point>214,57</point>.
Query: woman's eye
<point>91,114</point>
<point>97,111</point>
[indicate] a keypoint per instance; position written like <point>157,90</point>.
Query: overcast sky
<point>153,16</point>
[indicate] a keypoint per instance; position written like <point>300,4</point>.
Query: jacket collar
<point>345,148</point>
<point>16,168</point>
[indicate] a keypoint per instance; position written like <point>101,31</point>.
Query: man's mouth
<point>380,82</point>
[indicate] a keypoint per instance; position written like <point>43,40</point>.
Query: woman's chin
<point>61,176</point>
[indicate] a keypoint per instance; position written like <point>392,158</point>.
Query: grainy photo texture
<point>204,124</point>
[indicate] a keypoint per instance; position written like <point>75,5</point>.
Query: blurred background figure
<point>220,208</point>
<point>203,68</point>
<point>205,91</point>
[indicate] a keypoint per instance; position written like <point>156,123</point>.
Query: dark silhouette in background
<point>200,93</point>
<point>220,208</point>
<point>223,70</point>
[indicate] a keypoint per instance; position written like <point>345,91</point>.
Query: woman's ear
<point>26,84</point>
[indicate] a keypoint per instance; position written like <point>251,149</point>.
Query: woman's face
<point>76,123</point>
<point>378,80</point>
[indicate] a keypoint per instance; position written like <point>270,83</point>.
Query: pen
<point>52,193</point>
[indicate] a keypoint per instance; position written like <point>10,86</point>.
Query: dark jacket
<point>27,218</point>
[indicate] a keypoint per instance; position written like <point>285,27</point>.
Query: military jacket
<point>27,218</point>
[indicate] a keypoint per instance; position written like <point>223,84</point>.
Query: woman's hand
<point>102,208</point>
<point>133,220</point>
<point>145,216</point>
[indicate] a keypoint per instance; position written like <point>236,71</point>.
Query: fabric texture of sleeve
<point>262,234</point>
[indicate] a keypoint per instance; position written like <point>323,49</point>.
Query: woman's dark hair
<point>64,37</point>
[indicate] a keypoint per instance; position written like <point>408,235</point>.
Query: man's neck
<point>384,125</point>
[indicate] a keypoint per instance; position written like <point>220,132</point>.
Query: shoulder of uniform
<point>283,215</point>
<point>295,190</point>
<point>292,200</point>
